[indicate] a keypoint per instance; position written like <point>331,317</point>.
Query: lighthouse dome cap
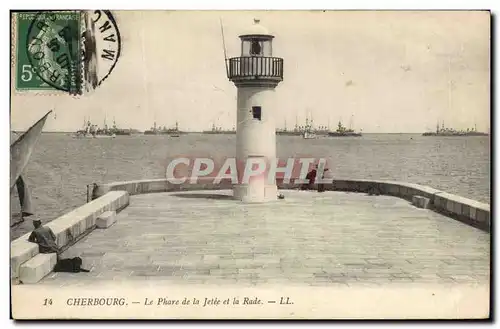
<point>256,29</point>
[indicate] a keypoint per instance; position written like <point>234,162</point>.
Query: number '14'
<point>47,301</point>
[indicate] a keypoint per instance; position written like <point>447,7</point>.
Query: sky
<point>380,72</point>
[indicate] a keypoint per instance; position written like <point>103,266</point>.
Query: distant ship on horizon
<point>452,132</point>
<point>343,132</point>
<point>285,132</point>
<point>91,130</point>
<point>307,131</point>
<point>172,132</point>
<point>119,131</point>
<point>218,130</point>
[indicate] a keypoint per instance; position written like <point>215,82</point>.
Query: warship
<point>343,132</point>
<point>285,132</point>
<point>452,132</point>
<point>120,132</point>
<point>153,131</point>
<point>218,130</point>
<point>306,130</point>
<point>172,132</point>
<point>91,130</point>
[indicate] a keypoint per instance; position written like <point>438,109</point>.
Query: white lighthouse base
<point>255,192</point>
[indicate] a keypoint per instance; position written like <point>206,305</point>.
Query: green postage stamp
<point>47,51</point>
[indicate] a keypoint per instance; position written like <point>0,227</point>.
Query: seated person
<point>45,238</point>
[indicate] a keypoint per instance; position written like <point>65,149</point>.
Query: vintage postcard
<point>250,164</point>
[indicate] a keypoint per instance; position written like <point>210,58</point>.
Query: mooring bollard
<point>89,192</point>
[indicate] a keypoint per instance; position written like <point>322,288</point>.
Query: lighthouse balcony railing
<point>255,66</point>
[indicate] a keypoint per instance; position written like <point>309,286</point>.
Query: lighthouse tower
<point>256,73</point>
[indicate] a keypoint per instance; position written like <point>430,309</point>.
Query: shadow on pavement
<point>203,196</point>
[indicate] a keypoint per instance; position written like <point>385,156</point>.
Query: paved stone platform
<point>309,238</point>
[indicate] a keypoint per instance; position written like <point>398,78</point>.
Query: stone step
<point>106,219</point>
<point>37,267</point>
<point>420,201</point>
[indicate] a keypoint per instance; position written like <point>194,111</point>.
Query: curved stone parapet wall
<point>469,211</point>
<point>68,228</point>
<point>466,210</point>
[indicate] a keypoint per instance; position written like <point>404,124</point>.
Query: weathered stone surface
<point>449,205</point>
<point>106,219</point>
<point>469,211</point>
<point>37,267</point>
<point>393,189</point>
<point>308,238</point>
<point>20,252</point>
<point>482,216</point>
<point>439,200</point>
<point>422,190</point>
<point>160,185</point>
<point>473,213</point>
